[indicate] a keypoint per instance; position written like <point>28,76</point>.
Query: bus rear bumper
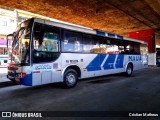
<point>10,77</point>
<point>13,79</point>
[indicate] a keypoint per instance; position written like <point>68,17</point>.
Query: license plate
<point>17,79</point>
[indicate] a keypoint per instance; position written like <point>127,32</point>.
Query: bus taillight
<point>23,75</point>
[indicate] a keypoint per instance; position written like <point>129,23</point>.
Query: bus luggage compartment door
<point>46,77</point>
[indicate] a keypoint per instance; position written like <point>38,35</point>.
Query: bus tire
<point>70,78</point>
<point>129,70</point>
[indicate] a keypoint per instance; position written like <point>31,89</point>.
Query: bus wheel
<point>129,70</point>
<point>70,78</point>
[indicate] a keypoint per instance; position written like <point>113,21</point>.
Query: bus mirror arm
<point>10,35</point>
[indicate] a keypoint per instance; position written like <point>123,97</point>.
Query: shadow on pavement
<point>6,84</point>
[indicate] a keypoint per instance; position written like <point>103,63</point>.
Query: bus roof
<point>83,29</point>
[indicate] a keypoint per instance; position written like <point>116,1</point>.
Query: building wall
<point>7,26</point>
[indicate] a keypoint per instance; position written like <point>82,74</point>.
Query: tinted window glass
<point>91,44</point>
<point>45,43</point>
<point>132,47</point>
<point>111,46</point>
<point>72,42</point>
<point>87,43</point>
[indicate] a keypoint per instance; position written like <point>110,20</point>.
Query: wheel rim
<point>129,70</point>
<point>70,79</point>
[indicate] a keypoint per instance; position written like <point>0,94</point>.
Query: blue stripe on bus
<point>95,64</point>
<point>101,33</point>
<point>27,80</point>
<point>120,37</point>
<point>109,64</point>
<point>119,61</point>
<point>111,35</point>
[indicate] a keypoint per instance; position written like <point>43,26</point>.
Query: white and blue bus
<point>59,52</point>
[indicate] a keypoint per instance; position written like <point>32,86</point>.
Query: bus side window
<point>72,42</point>
<point>47,47</point>
<point>87,43</point>
<point>50,42</point>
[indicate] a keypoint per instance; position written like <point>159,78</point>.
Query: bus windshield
<point>21,41</point>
